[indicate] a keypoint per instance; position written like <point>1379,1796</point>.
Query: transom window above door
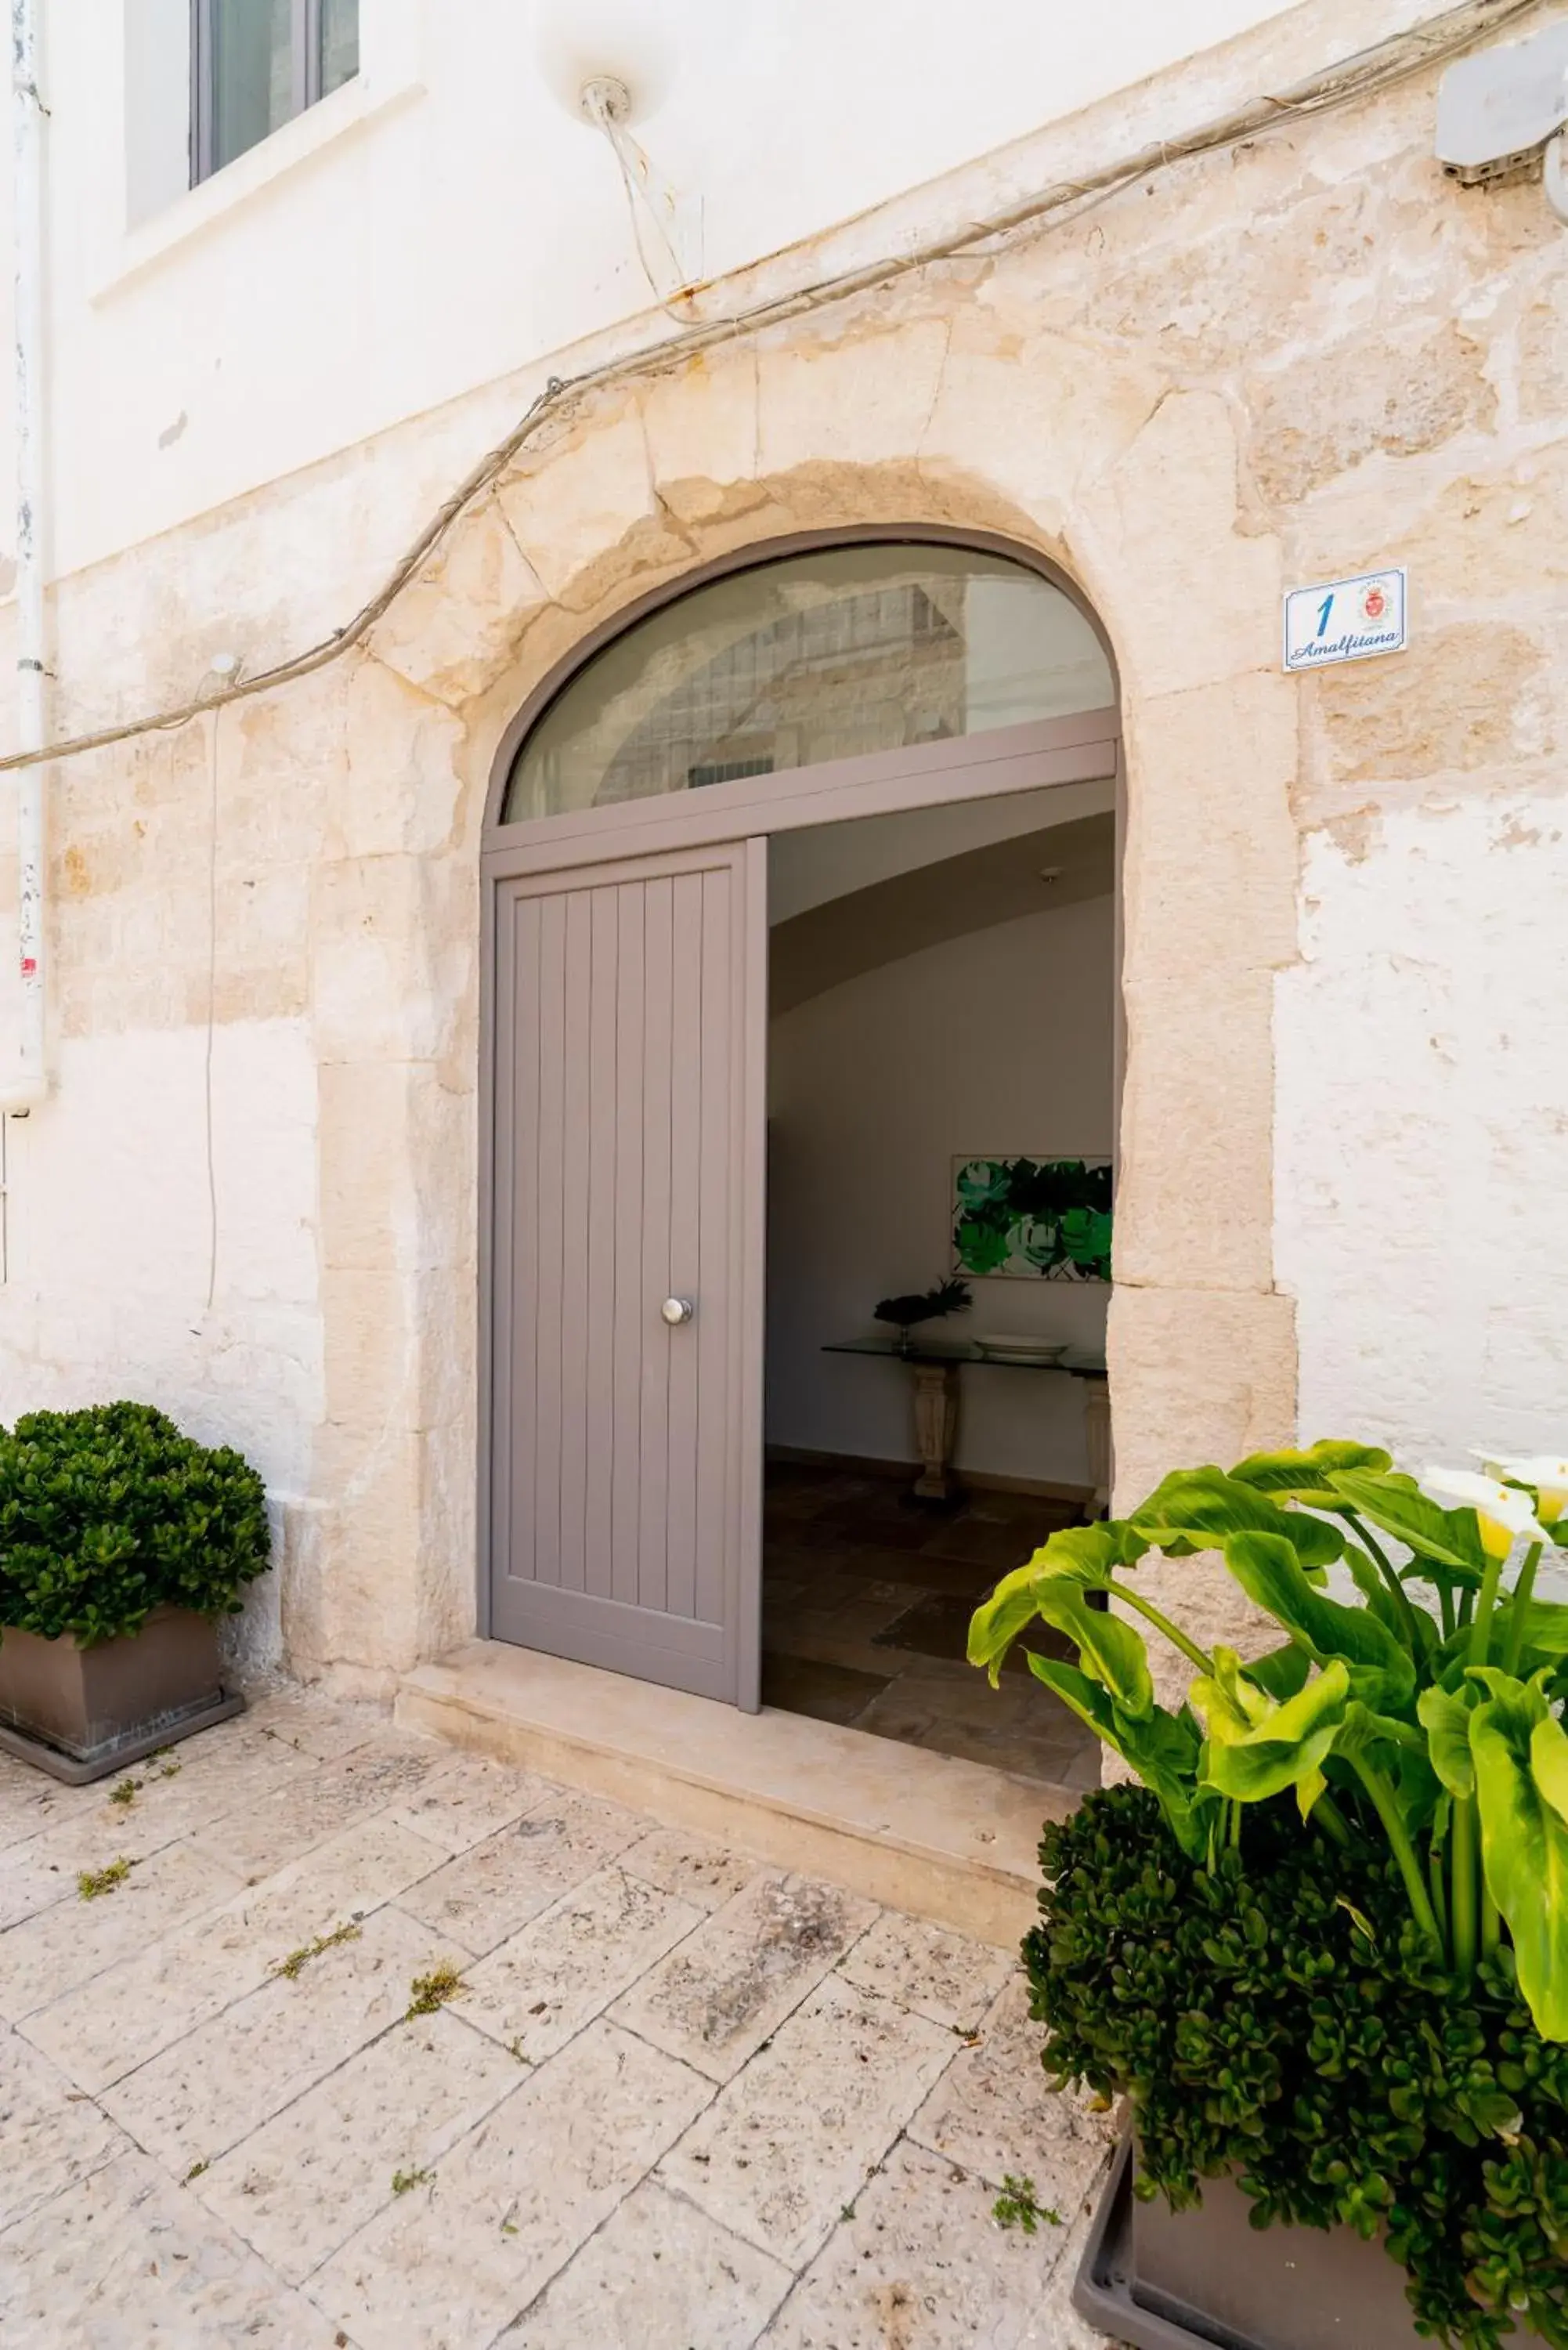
<point>830,654</point>
<point>255,63</point>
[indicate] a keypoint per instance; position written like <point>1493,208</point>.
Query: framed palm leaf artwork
<point>1032,1218</point>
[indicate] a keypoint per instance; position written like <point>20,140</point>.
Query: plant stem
<point>1328,1812</point>
<point>1437,1890</point>
<point>1173,1632</point>
<point>1389,1573</point>
<point>1386,1805</point>
<point>1519,1610</point>
<point>1463,1874</point>
<point>1480,1624</point>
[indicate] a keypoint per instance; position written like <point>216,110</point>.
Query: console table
<point>935,1365</point>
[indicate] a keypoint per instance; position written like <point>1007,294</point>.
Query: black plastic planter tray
<point>1208,2280</point>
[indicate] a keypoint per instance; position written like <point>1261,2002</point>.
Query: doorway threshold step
<point>947,1840</point>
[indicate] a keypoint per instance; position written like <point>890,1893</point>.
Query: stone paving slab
<point>658,2271</point>
<point>716,2000</point>
<point>50,2137</point>
<point>126,2259</point>
<point>487,1895</point>
<point>537,1991</point>
<point>57,1948</point>
<point>455,2260</point>
<point>792,2140</point>
<point>305,2182</point>
<point>676,2098</point>
<point>184,1979</point>
<point>920,2259</point>
<point>229,2076</point>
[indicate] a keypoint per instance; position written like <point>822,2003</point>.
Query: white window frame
<point>305,90</point>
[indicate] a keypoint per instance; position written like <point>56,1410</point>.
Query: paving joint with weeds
<point>93,1883</point>
<point>1017,2206</point>
<point>429,1992</point>
<point>298,1960</point>
<point>1327,1949</point>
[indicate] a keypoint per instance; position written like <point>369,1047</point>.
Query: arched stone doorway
<point>853,676</point>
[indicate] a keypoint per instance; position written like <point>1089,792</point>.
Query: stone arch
<point>964,420</point>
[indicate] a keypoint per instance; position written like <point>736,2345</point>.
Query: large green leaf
<point>1524,1840</point>
<point>1282,1673</point>
<point>1445,1716</point>
<point>1545,1627</point>
<point>1397,1505</point>
<point>1196,1509</point>
<point>1163,1749</point>
<point>1251,1761</point>
<point>1302,1473</point>
<point>1084,1555</point>
<point>1110,1651</point>
<point>1269,1572</point>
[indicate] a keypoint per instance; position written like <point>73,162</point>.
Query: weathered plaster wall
<point>1285,362</point>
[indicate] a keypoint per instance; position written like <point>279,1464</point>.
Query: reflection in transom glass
<point>826,655</point>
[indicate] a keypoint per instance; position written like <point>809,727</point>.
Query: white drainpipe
<point>29,1083</point>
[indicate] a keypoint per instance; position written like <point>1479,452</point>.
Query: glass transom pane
<point>822,656</point>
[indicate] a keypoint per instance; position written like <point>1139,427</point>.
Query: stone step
<point>947,1840</point>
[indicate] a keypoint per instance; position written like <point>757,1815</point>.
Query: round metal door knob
<point>677,1310</point>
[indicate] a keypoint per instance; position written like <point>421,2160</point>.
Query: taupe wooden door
<point>625,1442</point>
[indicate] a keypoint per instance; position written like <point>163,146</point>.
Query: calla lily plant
<point>1424,1711</point>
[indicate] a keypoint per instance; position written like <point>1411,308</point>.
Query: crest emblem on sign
<point>1373,602</point>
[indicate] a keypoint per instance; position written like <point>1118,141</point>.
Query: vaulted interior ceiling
<point>898,914</point>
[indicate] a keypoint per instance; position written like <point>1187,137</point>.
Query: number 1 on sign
<point>1324,608</point>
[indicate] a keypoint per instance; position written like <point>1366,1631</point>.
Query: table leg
<point>1097,1436</point>
<point>936,1428</point>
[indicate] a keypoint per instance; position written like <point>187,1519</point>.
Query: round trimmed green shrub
<point>106,1514</point>
<point>1278,2015</point>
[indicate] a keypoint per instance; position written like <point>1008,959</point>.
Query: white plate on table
<point>1003,1349</point>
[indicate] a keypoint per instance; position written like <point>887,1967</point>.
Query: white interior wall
<point>1000,1042</point>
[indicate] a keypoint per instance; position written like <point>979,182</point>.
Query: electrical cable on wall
<point>1370,71</point>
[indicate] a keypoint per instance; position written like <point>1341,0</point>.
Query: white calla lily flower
<point>1502,1512</point>
<point>1547,1472</point>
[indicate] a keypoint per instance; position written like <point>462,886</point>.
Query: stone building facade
<point>1344,1144</point>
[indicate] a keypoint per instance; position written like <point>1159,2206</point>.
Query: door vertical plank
<point>748,1282</point>
<point>717,1214</point>
<point>686,1090</point>
<point>633,1315</point>
<point>658,1043</point>
<point>576,1013</point>
<point>513,1124</point>
<point>551,1148</point>
<point>600,1194</point>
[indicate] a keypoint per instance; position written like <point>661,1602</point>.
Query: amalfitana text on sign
<point>1345,619</point>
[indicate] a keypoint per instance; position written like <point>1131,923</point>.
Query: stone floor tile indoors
<point>331,2038</point>
<point>866,1598</point>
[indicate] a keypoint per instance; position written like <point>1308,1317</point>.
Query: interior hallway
<point>866,1598</point>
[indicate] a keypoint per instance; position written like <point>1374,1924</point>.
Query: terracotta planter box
<point>1208,2279</point>
<point>79,1713</point>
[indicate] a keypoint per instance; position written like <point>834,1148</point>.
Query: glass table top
<point>1079,1362</point>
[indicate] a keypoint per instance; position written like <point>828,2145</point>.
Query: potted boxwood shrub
<point>1321,1954</point>
<point>121,1543</point>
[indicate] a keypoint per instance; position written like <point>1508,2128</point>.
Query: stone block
<point>456,625</point>
<point>1195,1196</point>
<point>1189,596</point>
<point>1197,1375</point>
<point>701,426</point>
<point>584,510</point>
<point>397,788</point>
<point>1459,701</point>
<point>859,390</point>
<point>1333,410</point>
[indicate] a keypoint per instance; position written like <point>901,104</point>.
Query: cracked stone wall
<point>1345,1118</point>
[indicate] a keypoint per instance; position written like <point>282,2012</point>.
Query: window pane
<point>339,43</point>
<point>252,73</point>
<point>816,656</point>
